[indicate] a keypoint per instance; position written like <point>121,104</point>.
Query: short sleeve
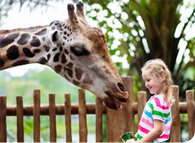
<point>160,111</point>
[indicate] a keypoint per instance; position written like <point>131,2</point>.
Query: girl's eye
<point>79,51</point>
<point>148,80</point>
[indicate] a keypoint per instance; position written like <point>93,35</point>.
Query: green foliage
<point>104,128</point>
<point>47,81</point>
<point>184,127</point>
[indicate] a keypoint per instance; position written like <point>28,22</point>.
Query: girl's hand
<point>131,141</point>
<point>136,134</point>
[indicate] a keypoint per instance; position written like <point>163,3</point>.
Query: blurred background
<point>136,31</point>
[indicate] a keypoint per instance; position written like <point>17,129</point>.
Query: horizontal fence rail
<point>118,122</point>
<point>90,109</point>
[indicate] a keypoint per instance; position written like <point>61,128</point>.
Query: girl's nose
<point>146,85</point>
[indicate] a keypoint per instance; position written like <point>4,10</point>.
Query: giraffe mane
<point>6,31</point>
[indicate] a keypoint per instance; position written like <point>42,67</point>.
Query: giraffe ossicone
<point>74,49</point>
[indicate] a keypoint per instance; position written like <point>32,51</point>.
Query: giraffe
<point>73,49</point>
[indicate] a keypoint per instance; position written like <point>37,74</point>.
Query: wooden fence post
<point>119,122</point>
<point>52,117</point>
<point>67,110</point>
<point>82,116</point>
<point>20,125</point>
<point>191,112</point>
<point>176,124</point>
<point>99,113</point>
<point>3,112</point>
<point>141,101</point>
<point>36,115</point>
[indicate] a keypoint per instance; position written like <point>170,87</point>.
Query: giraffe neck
<point>22,47</point>
<point>49,46</point>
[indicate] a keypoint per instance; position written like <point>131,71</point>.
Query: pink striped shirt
<point>155,109</point>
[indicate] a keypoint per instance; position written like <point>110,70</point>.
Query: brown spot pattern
<point>79,73</point>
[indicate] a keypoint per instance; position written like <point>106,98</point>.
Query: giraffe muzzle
<point>115,100</point>
<point>110,103</point>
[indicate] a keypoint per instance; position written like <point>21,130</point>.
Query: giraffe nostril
<point>121,87</point>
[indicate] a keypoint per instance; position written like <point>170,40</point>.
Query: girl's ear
<point>162,77</point>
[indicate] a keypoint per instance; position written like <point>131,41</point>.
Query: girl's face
<point>153,84</point>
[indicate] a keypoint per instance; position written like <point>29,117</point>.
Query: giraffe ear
<point>54,38</point>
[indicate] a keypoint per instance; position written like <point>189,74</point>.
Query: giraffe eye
<point>79,51</point>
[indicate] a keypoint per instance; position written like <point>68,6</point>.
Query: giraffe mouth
<point>113,102</point>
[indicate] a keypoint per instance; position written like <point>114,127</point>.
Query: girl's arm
<point>155,132</point>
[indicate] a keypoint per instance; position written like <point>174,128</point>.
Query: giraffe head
<point>74,49</point>
<point>81,56</point>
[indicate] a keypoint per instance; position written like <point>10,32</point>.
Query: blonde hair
<point>158,68</point>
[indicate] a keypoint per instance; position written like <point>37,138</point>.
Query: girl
<point>155,123</point>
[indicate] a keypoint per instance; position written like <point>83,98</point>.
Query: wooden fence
<point>118,122</point>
